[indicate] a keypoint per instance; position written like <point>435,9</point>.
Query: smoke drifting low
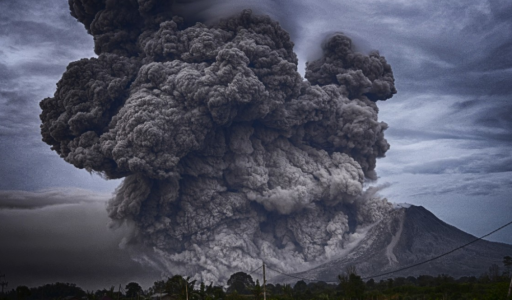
<point>228,154</point>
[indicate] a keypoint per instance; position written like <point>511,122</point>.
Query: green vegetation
<point>492,285</point>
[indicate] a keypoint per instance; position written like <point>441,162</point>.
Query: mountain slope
<point>408,236</point>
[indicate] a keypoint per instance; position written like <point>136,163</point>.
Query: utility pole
<point>186,288</point>
<point>3,283</point>
<point>264,283</point>
<point>509,288</point>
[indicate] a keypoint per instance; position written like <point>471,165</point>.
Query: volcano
<point>410,235</point>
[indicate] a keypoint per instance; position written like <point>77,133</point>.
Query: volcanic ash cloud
<point>228,154</point>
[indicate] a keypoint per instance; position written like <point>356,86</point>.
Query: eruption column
<point>228,154</point>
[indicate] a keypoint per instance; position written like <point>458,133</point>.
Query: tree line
<point>492,285</point>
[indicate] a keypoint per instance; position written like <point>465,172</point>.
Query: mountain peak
<point>407,236</point>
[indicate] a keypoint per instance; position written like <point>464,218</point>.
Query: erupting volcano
<point>228,155</point>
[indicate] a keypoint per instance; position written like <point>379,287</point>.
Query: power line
<point>378,275</point>
<point>367,277</point>
<point>297,277</point>
<point>439,256</point>
<point>404,268</point>
<point>255,270</point>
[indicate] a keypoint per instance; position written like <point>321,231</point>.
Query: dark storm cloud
<point>31,166</point>
<point>491,118</point>
<point>495,28</point>
<point>38,69</point>
<point>422,134</point>
<point>454,69</point>
<point>470,54</point>
<point>35,34</point>
<point>37,40</point>
<point>29,35</point>
<point>498,57</point>
<point>470,187</point>
<point>502,118</point>
<point>15,117</point>
<point>485,118</point>
<point>4,73</point>
<point>40,24</point>
<point>470,83</point>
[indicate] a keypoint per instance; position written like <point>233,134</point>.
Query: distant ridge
<point>409,235</point>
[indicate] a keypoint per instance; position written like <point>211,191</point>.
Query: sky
<point>450,125</point>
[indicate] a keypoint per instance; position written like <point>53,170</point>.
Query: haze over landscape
<point>272,165</point>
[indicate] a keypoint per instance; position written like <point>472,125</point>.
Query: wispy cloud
<point>50,197</point>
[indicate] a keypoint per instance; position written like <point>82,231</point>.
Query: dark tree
<point>370,283</point>
<point>301,291</point>
<point>210,292</point>
<point>300,287</point>
<point>22,292</point>
<point>287,291</point>
<point>494,272</point>
<point>257,291</point>
<point>133,289</point>
<point>425,280</point>
<point>214,292</point>
<point>507,262</point>
<point>158,287</point>
<point>241,283</point>
<point>179,287</point>
<point>352,286</point>
<point>56,290</point>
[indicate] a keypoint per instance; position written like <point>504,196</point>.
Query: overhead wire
<point>377,275</point>
<point>401,269</point>
<point>439,256</point>
<point>297,277</point>
<point>255,270</point>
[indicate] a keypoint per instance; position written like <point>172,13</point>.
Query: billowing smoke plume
<point>228,154</point>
